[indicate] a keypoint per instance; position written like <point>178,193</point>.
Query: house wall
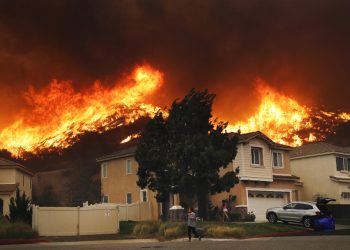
<point>118,184</point>
<point>7,176</point>
<point>13,176</point>
<point>257,173</point>
<point>314,172</point>
<point>247,169</point>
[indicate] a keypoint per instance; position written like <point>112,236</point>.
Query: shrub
<point>145,229</point>
<point>224,231</point>
<point>235,216</point>
<point>17,230</point>
<point>20,208</point>
<point>250,217</point>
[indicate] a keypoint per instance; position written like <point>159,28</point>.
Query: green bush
<point>250,217</point>
<point>235,216</point>
<point>16,230</point>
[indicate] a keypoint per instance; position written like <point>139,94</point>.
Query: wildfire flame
<point>286,121</point>
<point>130,137</point>
<point>58,113</point>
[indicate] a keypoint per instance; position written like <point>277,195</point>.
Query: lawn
<point>18,230</point>
<point>173,230</point>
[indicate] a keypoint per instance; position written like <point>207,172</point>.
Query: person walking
<point>225,211</point>
<point>191,224</point>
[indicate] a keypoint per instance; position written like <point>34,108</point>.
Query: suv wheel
<point>272,218</point>
<point>307,222</point>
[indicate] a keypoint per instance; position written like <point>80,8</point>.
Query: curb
<point>289,233</point>
<point>22,241</point>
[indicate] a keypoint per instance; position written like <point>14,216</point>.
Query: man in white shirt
<point>191,224</point>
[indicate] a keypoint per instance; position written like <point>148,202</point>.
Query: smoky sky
<point>299,47</point>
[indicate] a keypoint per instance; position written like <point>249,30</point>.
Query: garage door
<point>258,202</point>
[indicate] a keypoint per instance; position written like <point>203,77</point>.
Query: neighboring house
<point>118,181</point>
<point>265,176</point>
<point>324,170</point>
<point>54,183</point>
<point>13,176</point>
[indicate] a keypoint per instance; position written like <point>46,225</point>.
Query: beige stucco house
<point>265,175</point>
<point>324,170</point>
<point>118,181</point>
<point>13,175</point>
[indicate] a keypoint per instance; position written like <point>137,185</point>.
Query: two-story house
<point>118,181</point>
<point>13,176</point>
<point>265,177</point>
<point>324,170</point>
<point>264,173</point>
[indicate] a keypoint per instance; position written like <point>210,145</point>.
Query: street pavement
<point>309,242</point>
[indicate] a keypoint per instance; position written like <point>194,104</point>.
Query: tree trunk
<point>165,207</point>
<point>203,202</point>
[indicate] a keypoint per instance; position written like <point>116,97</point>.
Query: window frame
<point>104,200</point>
<point>345,161</point>
<point>127,167</point>
<point>142,191</point>
<point>282,159</point>
<point>104,170</point>
<point>126,198</point>
<point>261,159</point>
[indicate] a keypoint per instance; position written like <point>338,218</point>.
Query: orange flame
<point>130,137</point>
<point>282,118</point>
<point>57,113</point>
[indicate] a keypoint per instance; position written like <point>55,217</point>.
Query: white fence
<point>62,221</point>
<point>139,211</point>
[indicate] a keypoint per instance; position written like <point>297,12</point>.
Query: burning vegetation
<point>58,114</point>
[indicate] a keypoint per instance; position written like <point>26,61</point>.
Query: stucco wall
<point>118,183</point>
<point>314,172</point>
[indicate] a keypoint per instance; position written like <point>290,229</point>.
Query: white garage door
<point>258,202</point>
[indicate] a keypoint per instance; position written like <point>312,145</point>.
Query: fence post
<point>78,224</point>
<point>149,211</point>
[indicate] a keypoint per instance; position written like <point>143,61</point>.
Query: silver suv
<point>302,212</point>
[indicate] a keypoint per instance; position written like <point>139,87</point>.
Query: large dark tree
<point>186,152</point>
<point>155,170</point>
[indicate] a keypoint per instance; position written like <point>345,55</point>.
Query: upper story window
<point>104,169</point>
<point>128,167</point>
<point>257,156</point>
<point>343,164</point>
<point>277,159</point>
<point>345,195</point>
<point>143,195</point>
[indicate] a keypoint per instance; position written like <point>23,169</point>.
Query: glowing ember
<point>130,137</point>
<point>58,113</point>
<point>286,121</point>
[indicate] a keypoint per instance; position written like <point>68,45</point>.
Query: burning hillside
<point>57,114</point>
<point>286,121</point>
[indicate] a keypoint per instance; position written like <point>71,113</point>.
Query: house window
<point>105,199</point>
<point>345,195</point>
<point>277,159</point>
<point>256,156</point>
<point>129,198</point>
<point>343,164</point>
<point>128,167</point>
<point>104,170</point>
<point>143,194</point>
